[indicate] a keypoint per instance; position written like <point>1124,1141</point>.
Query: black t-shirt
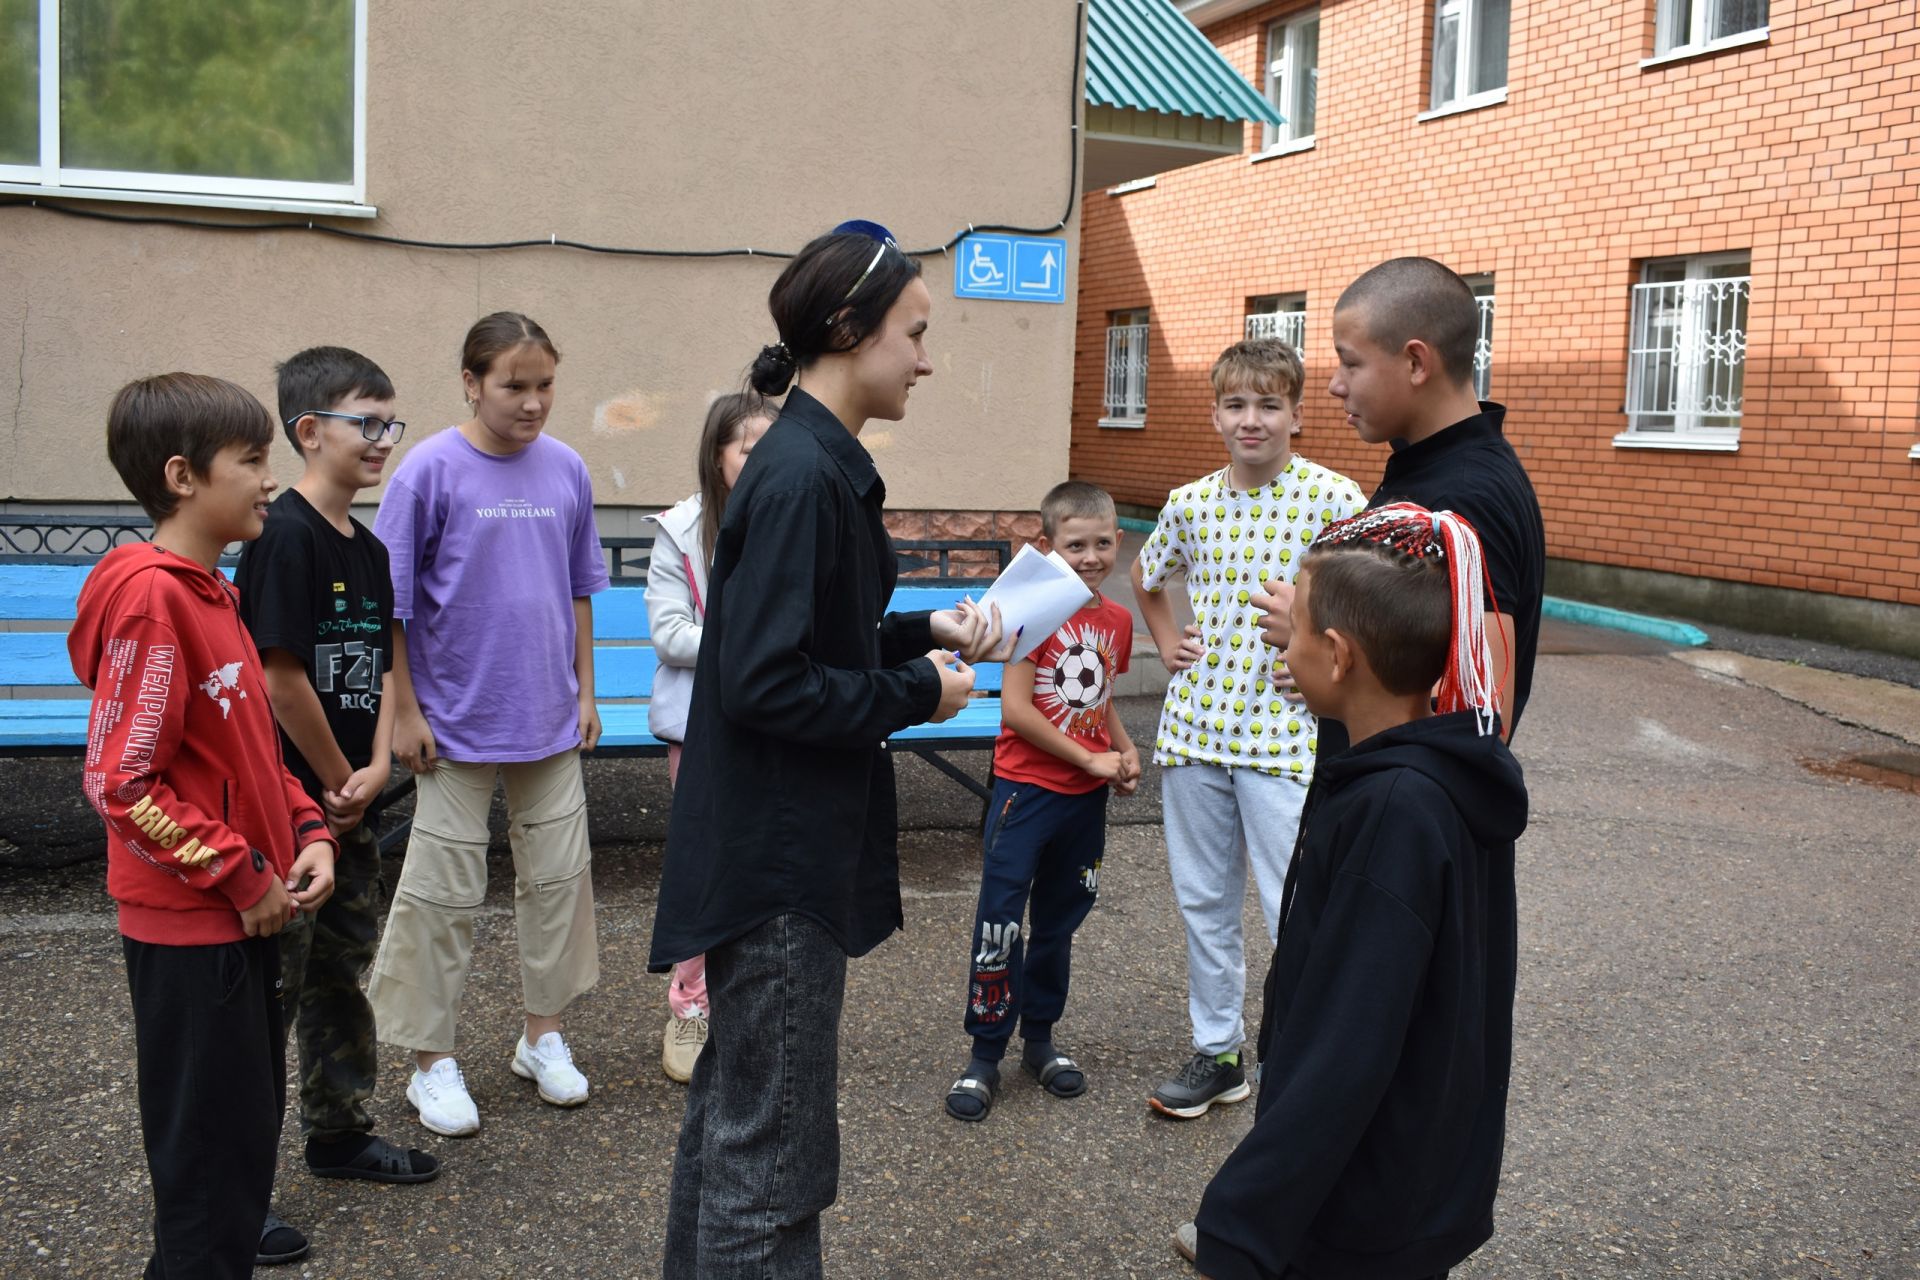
<point>326,598</point>
<point>1470,469</point>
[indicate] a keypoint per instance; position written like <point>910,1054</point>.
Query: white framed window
<point>259,106</point>
<point>1687,353</point>
<point>1126,399</point>
<point>1482,286</point>
<point>1682,27</point>
<point>1282,316</point>
<point>1469,55</point>
<point>1293,80</point>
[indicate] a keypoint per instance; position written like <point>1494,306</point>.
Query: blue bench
<point>43,706</point>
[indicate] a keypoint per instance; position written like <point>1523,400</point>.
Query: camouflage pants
<point>322,959</point>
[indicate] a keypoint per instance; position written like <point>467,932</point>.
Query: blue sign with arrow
<point>1011,268</point>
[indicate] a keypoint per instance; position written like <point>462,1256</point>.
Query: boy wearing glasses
<point>316,593</point>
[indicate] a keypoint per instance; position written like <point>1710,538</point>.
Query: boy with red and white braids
<point>1387,1031</point>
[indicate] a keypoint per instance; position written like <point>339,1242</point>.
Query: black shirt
<point>1386,1031</point>
<point>326,598</point>
<point>785,802</point>
<point>1471,470</point>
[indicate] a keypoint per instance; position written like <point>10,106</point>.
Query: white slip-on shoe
<point>681,1046</point>
<point>440,1095</point>
<point>548,1063</point>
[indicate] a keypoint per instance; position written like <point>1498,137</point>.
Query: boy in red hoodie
<point>212,846</point>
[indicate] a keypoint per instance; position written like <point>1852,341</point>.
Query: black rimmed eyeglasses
<point>372,429</point>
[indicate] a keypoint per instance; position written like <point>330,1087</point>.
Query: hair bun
<point>772,370</point>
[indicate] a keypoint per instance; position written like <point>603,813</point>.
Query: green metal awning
<point>1143,55</point>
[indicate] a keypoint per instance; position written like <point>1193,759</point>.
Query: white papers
<point>1038,592</point>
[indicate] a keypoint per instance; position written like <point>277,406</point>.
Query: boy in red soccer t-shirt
<point>1060,749</point>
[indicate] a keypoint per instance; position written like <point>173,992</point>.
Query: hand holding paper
<point>973,634</point>
<point>1036,594</point>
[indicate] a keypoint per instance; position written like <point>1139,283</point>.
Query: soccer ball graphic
<point>1080,679</point>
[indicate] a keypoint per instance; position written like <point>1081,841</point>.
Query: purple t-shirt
<point>488,555</point>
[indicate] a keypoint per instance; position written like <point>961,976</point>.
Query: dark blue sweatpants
<point>1042,852</point>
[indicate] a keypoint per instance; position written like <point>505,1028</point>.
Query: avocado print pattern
<point>1223,709</point>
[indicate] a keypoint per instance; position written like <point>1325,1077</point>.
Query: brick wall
<point>1799,151</point>
<point>1016,528</point>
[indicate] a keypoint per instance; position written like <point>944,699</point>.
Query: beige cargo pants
<point>420,972</point>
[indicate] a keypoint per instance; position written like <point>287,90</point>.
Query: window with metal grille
<point>1684,26</point>
<point>1482,286</point>
<point>1282,316</point>
<point>1126,398</point>
<point>1469,52</point>
<point>1687,355</point>
<point>1293,78</point>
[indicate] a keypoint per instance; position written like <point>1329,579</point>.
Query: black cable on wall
<point>46,205</point>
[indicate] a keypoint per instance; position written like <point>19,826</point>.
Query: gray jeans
<point>759,1155</point>
<point>1220,822</point>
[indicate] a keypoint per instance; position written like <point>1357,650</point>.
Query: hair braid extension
<point>1469,682</point>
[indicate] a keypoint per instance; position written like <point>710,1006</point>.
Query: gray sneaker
<point>1200,1084</point>
<point>1186,1242</point>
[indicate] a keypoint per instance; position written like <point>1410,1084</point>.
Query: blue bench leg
<point>933,757</point>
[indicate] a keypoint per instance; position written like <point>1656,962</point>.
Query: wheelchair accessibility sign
<point>1011,268</point>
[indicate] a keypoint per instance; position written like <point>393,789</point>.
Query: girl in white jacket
<point>676,593</point>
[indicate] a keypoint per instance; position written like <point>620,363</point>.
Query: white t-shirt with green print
<point>1223,710</point>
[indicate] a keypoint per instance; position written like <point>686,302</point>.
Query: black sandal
<point>1050,1072</point>
<point>279,1242</point>
<point>978,1087</point>
<point>381,1161</point>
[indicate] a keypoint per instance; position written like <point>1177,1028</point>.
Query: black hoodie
<point>1386,1039</point>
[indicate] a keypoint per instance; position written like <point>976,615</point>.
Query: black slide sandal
<point>977,1087</point>
<point>1048,1073</point>
<point>381,1161</point>
<point>279,1242</point>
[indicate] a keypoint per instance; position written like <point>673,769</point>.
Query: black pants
<point>1041,848</point>
<point>212,1074</point>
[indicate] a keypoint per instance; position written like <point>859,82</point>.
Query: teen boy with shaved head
<point>1404,334</point>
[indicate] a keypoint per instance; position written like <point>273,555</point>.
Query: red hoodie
<point>183,760</point>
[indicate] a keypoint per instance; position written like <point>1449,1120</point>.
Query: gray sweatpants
<point>1217,821</point>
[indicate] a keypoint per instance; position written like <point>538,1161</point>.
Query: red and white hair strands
<point>1469,683</point>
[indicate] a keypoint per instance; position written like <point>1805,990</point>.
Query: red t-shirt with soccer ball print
<point>1073,680</point>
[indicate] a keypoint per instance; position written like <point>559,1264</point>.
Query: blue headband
<point>873,231</point>
<point>861,227</point>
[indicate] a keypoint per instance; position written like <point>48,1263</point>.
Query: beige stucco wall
<point>656,124</point>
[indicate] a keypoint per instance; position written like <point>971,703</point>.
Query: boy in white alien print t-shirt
<point>1238,757</point>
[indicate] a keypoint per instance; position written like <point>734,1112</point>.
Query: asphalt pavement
<point>1715,1071</point>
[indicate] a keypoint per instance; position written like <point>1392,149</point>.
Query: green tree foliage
<point>214,88</point>
<point>19,81</point>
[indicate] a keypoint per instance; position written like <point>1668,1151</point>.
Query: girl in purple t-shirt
<point>489,527</point>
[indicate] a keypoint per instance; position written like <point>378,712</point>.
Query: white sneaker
<point>440,1095</point>
<point>548,1064</point>
<point>681,1046</point>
